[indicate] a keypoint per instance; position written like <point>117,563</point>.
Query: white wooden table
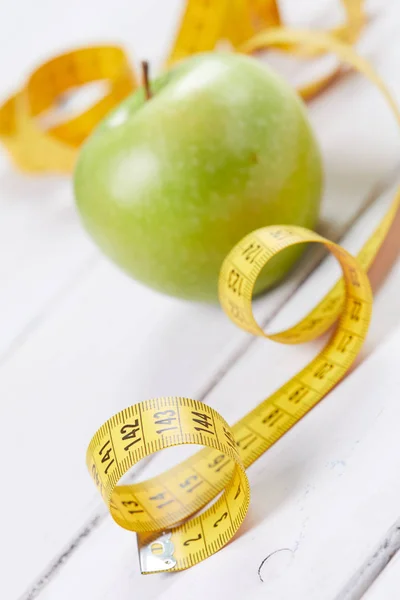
<point>75,347</point>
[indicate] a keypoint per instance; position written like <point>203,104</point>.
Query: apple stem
<point>145,79</point>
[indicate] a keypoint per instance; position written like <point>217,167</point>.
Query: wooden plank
<point>387,586</point>
<point>100,366</point>
<point>37,213</point>
<point>78,366</point>
<point>327,491</point>
<point>281,363</point>
<point>45,250</point>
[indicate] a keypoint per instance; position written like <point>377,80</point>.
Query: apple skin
<point>166,187</point>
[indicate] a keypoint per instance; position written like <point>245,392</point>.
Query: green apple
<point>167,186</point>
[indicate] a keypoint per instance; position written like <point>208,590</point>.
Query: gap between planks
<point>378,560</point>
<point>366,575</point>
<point>90,264</point>
<point>48,307</point>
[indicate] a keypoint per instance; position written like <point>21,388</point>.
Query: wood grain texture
<point>279,491</point>
<point>45,250</point>
<point>387,585</point>
<point>77,347</point>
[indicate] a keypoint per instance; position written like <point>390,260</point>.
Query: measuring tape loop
<point>326,312</point>
<point>35,148</point>
<point>163,501</point>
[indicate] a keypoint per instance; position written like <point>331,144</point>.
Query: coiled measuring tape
<point>160,510</point>
<point>34,148</point>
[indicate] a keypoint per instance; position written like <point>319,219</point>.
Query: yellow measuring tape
<point>35,148</point>
<point>159,509</point>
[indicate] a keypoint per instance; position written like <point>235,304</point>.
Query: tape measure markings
<point>162,501</point>
<point>134,505</point>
